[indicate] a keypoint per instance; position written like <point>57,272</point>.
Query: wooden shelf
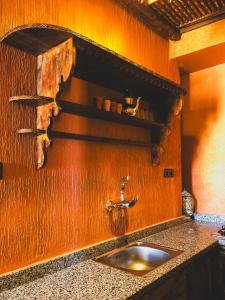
<point>98,139</point>
<point>30,131</point>
<point>104,67</point>
<point>30,100</point>
<point>94,62</point>
<point>89,138</point>
<point>90,112</point>
<point>99,65</point>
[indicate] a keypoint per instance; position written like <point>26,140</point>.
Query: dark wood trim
<point>203,21</point>
<point>98,139</point>
<point>84,137</point>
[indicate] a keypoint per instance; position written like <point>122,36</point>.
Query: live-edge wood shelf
<point>30,100</point>
<point>89,112</point>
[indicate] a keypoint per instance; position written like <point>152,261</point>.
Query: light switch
<point>168,173</point>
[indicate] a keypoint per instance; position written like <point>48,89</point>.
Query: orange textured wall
<point>204,139</point>
<point>62,207</point>
<point>198,39</point>
<point>102,21</point>
<point>200,48</point>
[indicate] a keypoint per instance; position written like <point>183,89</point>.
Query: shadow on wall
<point>189,146</point>
<point>200,112</point>
<point>118,220</point>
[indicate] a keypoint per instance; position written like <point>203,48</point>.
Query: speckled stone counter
<point>219,219</point>
<point>93,280</point>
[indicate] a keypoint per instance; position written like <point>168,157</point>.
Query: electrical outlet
<point>168,173</point>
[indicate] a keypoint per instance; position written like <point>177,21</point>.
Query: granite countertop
<point>93,280</point>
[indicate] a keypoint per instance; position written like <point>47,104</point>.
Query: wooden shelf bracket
<point>54,67</point>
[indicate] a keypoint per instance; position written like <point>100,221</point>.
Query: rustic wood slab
<point>31,100</point>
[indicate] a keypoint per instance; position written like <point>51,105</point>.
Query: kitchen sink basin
<point>138,258</point>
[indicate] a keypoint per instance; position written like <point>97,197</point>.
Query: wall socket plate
<point>168,173</point>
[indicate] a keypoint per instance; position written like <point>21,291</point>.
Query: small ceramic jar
<point>119,108</point>
<point>187,203</point>
<point>98,102</point>
<point>113,106</point>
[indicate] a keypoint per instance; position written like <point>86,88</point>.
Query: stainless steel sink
<point>138,258</point>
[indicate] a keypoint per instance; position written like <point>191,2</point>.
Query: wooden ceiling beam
<point>211,5</point>
<point>203,8</point>
<point>174,19</point>
<point>204,21</point>
<point>195,12</point>
<point>176,9</point>
<point>186,8</point>
<point>208,6</point>
<point>197,8</point>
<point>221,3</point>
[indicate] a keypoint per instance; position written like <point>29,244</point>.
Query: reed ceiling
<point>184,14</point>
<point>171,18</point>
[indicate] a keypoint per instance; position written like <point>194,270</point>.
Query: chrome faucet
<point>123,203</point>
<point>122,187</point>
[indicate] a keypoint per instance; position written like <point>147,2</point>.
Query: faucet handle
<point>134,201</point>
<point>124,181</point>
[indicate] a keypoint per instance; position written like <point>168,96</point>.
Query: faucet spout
<point>123,203</point>
<point>133,202</point>
<point>120,205</point>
